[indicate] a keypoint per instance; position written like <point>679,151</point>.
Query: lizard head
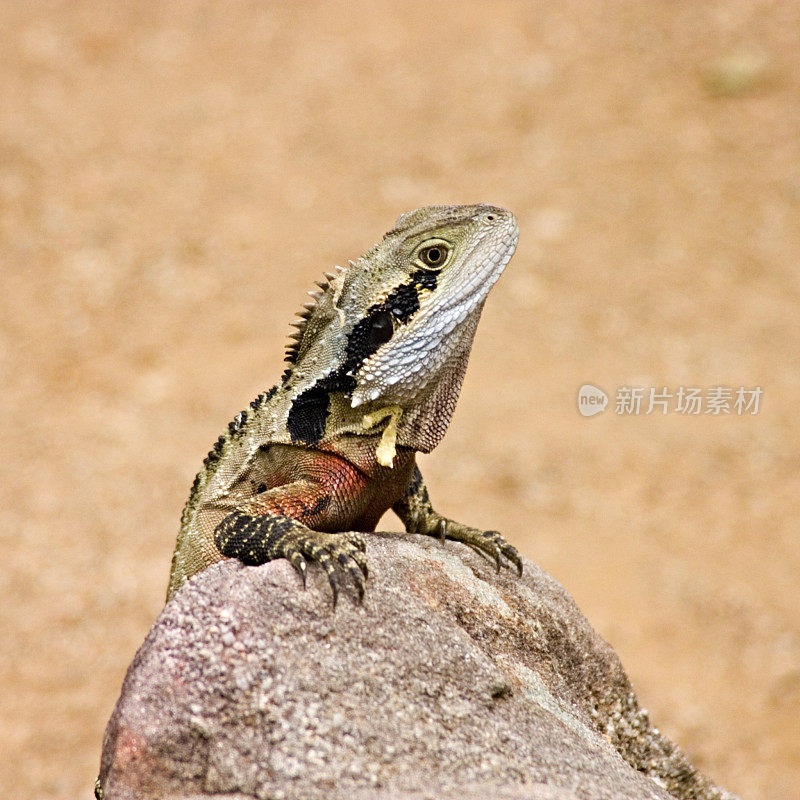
<point>418,295</point>
<point>396,327</point>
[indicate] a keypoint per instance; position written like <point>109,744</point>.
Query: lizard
<point>373,374</point>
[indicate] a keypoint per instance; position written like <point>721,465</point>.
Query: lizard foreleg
<point>272,525</point>
<point>417,514</point>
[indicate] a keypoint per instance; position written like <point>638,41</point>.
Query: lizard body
<point>374,372</point>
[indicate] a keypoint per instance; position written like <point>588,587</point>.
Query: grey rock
<point>450,681</point>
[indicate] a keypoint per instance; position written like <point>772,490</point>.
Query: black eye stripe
<point>403,302</point>
<point>381,328</point>
<point>425,279</point>
<point>309,411</point>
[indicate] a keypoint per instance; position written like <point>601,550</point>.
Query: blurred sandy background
<point>173,177</point>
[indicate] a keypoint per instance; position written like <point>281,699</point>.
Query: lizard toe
<point>357,540</point>
<point>323,557</point>
<point>512,555</point>
<point>337,553</point>
<point>347,562</point>
<point>361,560</point>
<point>505,549</point>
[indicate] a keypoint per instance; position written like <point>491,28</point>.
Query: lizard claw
<point>255,539</point>
<point>486,543</point>
<point>299,563</point>
<point>513,556</point>
<point>492,537</point>
<point>333,579</point>
<point>354,568</point>
<point>502,546</point>
<point>335,553</point>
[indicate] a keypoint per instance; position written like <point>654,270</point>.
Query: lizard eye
<point>434,256</point>
<point>381,329</point>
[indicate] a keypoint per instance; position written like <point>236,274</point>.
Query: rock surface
<point>450,681</point>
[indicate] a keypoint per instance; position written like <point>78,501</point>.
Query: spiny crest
<point>301,323</point>
<point>236,426</point>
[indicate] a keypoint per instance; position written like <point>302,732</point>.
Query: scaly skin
<point>374,374</point>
